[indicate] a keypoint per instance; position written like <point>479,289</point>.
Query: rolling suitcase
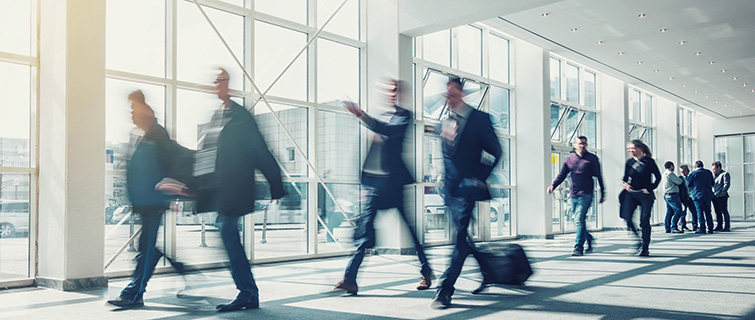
<point>502,265</point>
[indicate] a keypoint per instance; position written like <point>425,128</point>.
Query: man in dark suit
<point>470,152</point>
<point>232,148</point>
<point>384,176</point>
<point>700,183</point>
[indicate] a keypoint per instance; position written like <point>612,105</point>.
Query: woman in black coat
<point>639,184</point>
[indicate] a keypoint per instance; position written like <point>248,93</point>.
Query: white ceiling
<point>722,31</point>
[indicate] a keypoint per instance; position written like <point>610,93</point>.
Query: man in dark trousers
<point>686,200</point>
<point>151,160</point>
<point>384,176</point>
<point>232,148</point>
<point>722,182</point>
<point>700,185</point>
<point>583,166</point>
<point>470,152</point>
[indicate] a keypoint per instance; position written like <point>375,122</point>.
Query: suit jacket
<point>241,150</point>
<point>464,162</point>
<point>394,132</point>
<point>700,183</point>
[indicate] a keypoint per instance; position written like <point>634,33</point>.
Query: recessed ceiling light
<point>753,90</point>
<point>656,70</point>
<point>664,30</point>
<point>744,84</point>
<point>639,62</point>
<point>716,101</point>
<point>723,70</point>
<point>695,90</point>
<point>711,62</point>
<point>684,84</point>
<point>732,109</point>
<point>573,29</point>
<point>671,78</point>
<point>707,96</point>
<point>599,42</point>
<point>641,15</point>
<point>734,78</point>
<point>740,113</point>
<point>698,53</point>
<point>545,14</point>
<point>621,53</point>
<point>682,42</point>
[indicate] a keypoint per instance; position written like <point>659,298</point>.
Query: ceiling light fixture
<point>698,53</point>
<point>639,62</point>
<point>621,53</point>
<point>641,15</point>
<point>684,84</point>
<point>573,29</point>
<point>740,113</point>
<point>716,101</point>
<point>682,42</point>
<point>695,90</point>
<point>711,62</point>
<point>600,42</point>
<point>744,84</point>
<point>723,70</point>
<point>656,70</point>
<point>734,78</point>
<point>707,96</point>
<point>753,90</point>
<point>671,78</point>
<point>664,30</point>
<point>545,14</point>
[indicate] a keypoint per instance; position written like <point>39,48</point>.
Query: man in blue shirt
<point>583,166</point>
<point>700,183</point>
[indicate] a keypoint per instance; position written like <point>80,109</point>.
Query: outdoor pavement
<point>687,276</point>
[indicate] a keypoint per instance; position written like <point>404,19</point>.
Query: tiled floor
<point>688,276</point>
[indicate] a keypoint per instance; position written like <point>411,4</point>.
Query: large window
<point>18,83</point>
<point>485,87</point>
<point>172,55</point>
<point>686,136</point>
<point>737,154</point>
<point>641,123</point>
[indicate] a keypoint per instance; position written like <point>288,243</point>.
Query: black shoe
<point>668,231</point>
<point>126,303</point>
<point>677,231</point>
<point>710,232</point>
<point>726,230</point>
<point>590,243</point>
<point>719,228</point>
<point>237,304</point>
<point>644,253</point>
<point>684,227</point>
<point>577,253</point>
<point>700,231</point>
<point>442,300</point>
<point>350,287</point>
<point>694,228</point>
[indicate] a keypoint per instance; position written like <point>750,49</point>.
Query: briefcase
<point>506,265</point>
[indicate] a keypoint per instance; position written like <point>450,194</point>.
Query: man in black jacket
<point>232,148</point>
<point>466,134</point>
<point>384,176</point>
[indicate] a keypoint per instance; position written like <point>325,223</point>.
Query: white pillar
<point>71,144</point>
<point>614,117</point>
<point>533,152</point>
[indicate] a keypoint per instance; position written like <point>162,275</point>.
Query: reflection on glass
<point>193,245</point>
<point>498,60</point>
<point>193,113</point>
<point>434,90</point>
<point>277,48</point>
<point>648,107</point>
<point>131,46</point>
<point>435,216</point>
<point>116,235</point>
<point>292,163</point>
<point>499,108</point>
<point>337,72</point>
<point>433,160</point>
<point>501,175</point>
<point>470,49</point>
<point>636,111</point>
<point>500,212</point>
<point>293,10</point>
<point>555,78</point>
<point>280,229</point>
<point>200,51</point>
<point>334,232</point>
<point>345,22</point>
<point>15,114</point>
<point>337,145</point>
<point>17,16</point>
<point>590,90</point>
<point>572,124</point>
<point>590,128</point>
<point>572,83</point>
<point>436,47</point>
<point>119,128</point>
<point>556,112</point>
<point>473,93</point>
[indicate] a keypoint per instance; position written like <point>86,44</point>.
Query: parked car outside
<point>121,212</point>
<point>14,218</point>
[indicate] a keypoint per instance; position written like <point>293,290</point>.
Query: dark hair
<point>699,164</point>
<point>455,81</point>
<point>642,146</point>
<point>668,164</point>
<point>684,166</point>
<point>582,138</point>
<point>717,164</point>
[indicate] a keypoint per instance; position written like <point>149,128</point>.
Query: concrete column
<point>390,56</point>
<point>614,132</point>
<point>71,144</point>
<point>534,207</point>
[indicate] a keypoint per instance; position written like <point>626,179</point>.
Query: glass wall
<point>687,143</point>
<point>175,63</point>
<point>641,123</point>
<point>18,114</point>
<point>485,87</point>
<point>737,155</point>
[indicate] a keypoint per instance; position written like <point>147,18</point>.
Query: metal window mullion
<point>579,125</point>
<point>159,81</point>
<point>19,59</point>
<point>223,6</point>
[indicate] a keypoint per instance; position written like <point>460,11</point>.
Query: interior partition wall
<point>481,58</point>
<point>172,55</point>
<point>737,154</point>
<point>18,140</point>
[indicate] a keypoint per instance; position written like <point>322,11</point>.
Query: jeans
<point>461,212</point>
<point>689,205</point>
<point>381,194</point>
<point>723,220</point>
<point>703,214</point>
<point>645,202</point>
<point>240,268</point>
<point>148,256</point>
<point>581,205</point>
<point>673,211</point>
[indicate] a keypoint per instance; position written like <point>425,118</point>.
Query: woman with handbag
<point>639,184</point>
